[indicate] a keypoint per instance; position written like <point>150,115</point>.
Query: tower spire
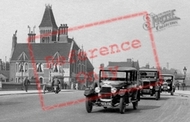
<point>48,27</point>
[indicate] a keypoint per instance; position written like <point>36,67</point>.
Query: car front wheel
<point>157,95</point>
<point>122,105</point>
<point>172,92</point>
<point>89,105</point>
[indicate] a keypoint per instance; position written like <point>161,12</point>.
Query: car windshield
<point>148,74</point>
<point>113,75</point>
<point>167,78</point>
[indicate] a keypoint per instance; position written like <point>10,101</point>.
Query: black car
<point>167,83</point>
<point>117,86</point>
<point>150,82</point>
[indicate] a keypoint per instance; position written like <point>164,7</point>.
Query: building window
<point>41,80</point>
<point>55,67</point>
<point>39,67</point>
<point>21,67</point>
<point>26,67</point>
<point>16,67</point>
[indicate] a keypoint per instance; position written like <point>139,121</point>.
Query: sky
<point>172,43</point>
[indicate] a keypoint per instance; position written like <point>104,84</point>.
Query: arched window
<point>21,64</point>
<point>39,67</point>
<point>55,68</point>
<point>41,80</point>
<point>26,67</point>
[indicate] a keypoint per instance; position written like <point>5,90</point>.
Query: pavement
<point>181,92</point>
<point>18,92</point>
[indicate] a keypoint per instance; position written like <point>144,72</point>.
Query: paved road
<point>27,108</point>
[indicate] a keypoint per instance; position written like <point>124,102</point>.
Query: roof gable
<point>41,51</point>
<point>48,19</point>
<point>4,73</point>
<point>23,57</point>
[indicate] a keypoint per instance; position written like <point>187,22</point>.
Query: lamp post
<point>184,70</point>
<point>176,81</point>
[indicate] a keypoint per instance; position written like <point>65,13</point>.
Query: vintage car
<point>117,86</point>
<point>150,82</point>
<point>167,83</point>
<point>48,85</point>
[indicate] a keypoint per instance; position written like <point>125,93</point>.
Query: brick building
<point>56,54</point>
<point>128,63</point>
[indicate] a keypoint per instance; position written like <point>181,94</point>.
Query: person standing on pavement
<point>177,84</point>
<point>26,83</point>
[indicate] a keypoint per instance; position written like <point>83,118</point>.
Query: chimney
<point>31,35</point>
<point>129,60</point>
<point>147,66</point>
<point>63,33</point>
<point>102,65</point>
<point>14,40</point>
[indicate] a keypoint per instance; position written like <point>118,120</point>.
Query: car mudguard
<point>89,92</point>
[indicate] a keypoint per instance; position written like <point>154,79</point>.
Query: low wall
<point>17,86</point>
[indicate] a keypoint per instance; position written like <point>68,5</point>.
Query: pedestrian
<point>177,84</point>
<point>26,83</point>
<point>76,86</point>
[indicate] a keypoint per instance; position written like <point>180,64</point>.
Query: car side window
<point>129,78</point>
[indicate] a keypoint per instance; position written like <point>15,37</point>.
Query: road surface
<point>27,108</point>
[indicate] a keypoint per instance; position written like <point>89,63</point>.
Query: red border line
<point>83,27</point>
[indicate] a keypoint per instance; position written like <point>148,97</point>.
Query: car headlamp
<point>151,87</point>
<point>140,87</point>
<point>97,89</point>
<point>113,90</point>
<point>168,87</point>
<point>122,92</point>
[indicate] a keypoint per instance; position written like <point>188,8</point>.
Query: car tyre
<point>172,93</point>
<point>135,105</point>
<point>122,105</point>
<point>89,105</point>
<point>157,95</point>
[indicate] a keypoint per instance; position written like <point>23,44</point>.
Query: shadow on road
<point>9,103</point>
<point>152,98</point>
<point>128,110</point>
<point>148,107</point>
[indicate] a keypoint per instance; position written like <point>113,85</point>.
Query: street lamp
<point>184,70</point>
<point>176,81</point>
<point>175,73</point>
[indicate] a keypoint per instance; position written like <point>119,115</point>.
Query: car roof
<point>166,74</point>
<point>119,68</point>
<point>144,69</point>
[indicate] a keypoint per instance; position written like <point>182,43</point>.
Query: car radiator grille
<point>146,85</point>
<point>105,92</point>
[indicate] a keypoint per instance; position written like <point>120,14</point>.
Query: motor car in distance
<point>150,82</point>
<point>168,83</point>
